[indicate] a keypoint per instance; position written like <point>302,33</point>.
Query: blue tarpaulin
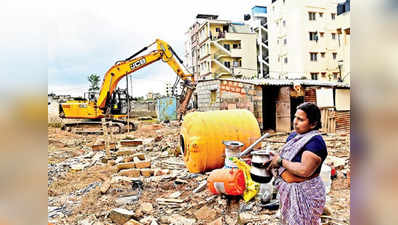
<point>166,108</point>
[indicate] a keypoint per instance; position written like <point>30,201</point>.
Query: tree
<point>94,80</point>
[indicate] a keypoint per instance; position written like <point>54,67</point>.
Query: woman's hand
<point>274,162</point>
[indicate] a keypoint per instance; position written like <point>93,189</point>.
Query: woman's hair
<point>313,113</point>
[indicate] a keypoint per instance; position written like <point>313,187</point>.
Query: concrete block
<point>125,152</point>
<point>122,166</point>
<point>130,173</point>
<point>143,164</point>
<point>147,172</point>
<point>120,216</point>
<point>131,143</point>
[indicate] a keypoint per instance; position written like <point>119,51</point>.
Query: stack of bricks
<point>230,95</point>
<point>134,164</point>
<point>310,94</point>
<point>343,121</point>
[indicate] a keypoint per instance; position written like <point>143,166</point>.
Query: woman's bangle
<point>279,161</point>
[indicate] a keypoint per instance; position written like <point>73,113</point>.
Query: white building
<point>258,23</point>
<point>220,48</point>
<point>343,28</point>
<point>303,40</point>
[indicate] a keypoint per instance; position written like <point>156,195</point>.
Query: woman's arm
<point>309,163</point>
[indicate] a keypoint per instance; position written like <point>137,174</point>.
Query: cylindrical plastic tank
<point>202,135</point>
<point>226,181</point>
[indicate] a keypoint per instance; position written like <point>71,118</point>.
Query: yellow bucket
<point>202,135</point>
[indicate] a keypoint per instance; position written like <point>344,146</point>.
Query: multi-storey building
<point>169,89</point>
<point>258,23</point>
<point>303,41</point>
<point>344,36</point>
<point>220,48</point>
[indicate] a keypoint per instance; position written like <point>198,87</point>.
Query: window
<point>314,76</point>
<point>285,41</point>
<point>311,15</point>
<point>334,55</point>
<point>322,54</point>
<point>313,56</point>
<point>227,64</point>
<point>236,46</point>
<point>279,58</point>
<point>236,64</point>
<point>217,29</point>
<point>313,36</point>
<point>333,16</point>
<point>335,75</point>
<point>226,46</point>
<point>323,74</point>
<point>320,14</point>
<point>277,42</point>
<point>334,36</point>
<point>285,60</point>
<point>284,23</point>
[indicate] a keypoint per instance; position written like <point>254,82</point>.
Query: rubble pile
<point>143,180</point>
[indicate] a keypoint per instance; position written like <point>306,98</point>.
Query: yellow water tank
<point>202,135</point>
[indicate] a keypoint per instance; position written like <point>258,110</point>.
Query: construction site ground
<point>87,186</point>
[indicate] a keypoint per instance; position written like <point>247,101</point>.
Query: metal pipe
<point>250,148</point>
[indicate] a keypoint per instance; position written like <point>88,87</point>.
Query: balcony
<point>236,52</point>
<point>223,68</point>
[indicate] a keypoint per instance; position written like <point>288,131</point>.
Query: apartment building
<point>344,37</point>
<point>220,49</point>
<point>169,89</point>
<point>303,40</point>
<point>258,23</point>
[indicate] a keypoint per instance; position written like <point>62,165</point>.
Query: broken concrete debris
<point>144,182</point>
<point>120,216</point>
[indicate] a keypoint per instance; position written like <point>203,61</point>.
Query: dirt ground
<point>85,187</point>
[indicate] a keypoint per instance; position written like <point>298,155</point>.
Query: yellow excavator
<point>105,106</point>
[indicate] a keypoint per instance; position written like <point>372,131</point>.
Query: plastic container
<point>202,135</point>
<point>226,181</point>
<point>325,176</point>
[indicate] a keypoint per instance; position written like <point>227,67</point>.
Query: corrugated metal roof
<point>272,82</point>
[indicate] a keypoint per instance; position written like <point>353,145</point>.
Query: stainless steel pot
<point>258,170</point>
<point>233,145</point>
<point>260,175</point>
<point>232,149</point>
<point>259,158</point>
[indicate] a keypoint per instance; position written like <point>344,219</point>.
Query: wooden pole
<point>106,138</point>
<point>128,104</point>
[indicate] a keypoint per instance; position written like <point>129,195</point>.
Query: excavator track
<point>95,127</point>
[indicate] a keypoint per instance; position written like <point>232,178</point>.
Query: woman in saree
<point>298,165</point>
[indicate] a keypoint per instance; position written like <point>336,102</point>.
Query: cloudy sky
<point>86,37</point>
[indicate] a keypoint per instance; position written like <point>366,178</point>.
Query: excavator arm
<point>82,109</point>
<point>131,64</point>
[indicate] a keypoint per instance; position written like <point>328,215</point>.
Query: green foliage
<point>94,81</point>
